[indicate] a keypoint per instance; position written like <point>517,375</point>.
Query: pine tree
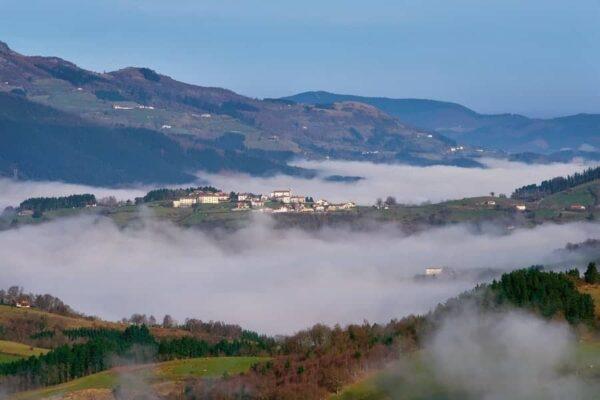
<point>591,274</point>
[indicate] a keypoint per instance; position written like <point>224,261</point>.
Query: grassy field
<point>19,349</point>
<point>153,374</point>
<point>13,351</point>
<point>21,316</point>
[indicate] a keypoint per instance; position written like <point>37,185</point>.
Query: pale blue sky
<point>537,57</point>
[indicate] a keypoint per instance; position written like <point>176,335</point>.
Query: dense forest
<point>550,293</point>
<point>535,192</point>
<point>42,204</point>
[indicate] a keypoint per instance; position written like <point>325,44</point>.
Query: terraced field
<point>154,376</point>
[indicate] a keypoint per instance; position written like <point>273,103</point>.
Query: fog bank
<point>273,281</point>
<point>409,184</point>
<point>512,355</point>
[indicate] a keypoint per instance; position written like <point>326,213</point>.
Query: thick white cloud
<point>274,281</point>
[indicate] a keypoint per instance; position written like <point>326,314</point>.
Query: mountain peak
<point>4,49</point>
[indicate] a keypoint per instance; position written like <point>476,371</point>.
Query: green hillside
<point>155,374</point>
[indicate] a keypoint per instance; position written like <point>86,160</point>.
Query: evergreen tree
<point>591,274</point>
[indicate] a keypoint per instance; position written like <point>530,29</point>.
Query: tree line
<point>44,302</point>
<point>173,194</point>
<point>549,293</point>
<point>41,204</point>
<point>535,192</point>
<point>96,350</point>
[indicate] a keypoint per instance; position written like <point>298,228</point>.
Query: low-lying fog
<point>407,183</point>
<point>272,281</point>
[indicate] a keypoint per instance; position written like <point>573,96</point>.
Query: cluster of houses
<point>278,201</point>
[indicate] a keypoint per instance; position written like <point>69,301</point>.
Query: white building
<point>256,202</point>
<point>297,199</point>
<point>185,202</point>
<point>433,271</point>
<point>244,196</point>
<point>276,194</point>
<point>120,107</point>
<point>521,207</point>
<point>208,198</point>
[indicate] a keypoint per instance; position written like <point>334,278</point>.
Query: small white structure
<point>257,202</point>
<point>223,196</point>
<point>244,196</point>
<point>434,271</point>
<point>208,198</point>
<point>205,116</point>
<point>283,195</point>
<point>24,303</point>
<point>521,207</point>
<point>297,199</point>
<point>141,107</point>
<point>275,194</point>
<point>185,202</point>
<point>120,107</point>
<point>166,127</point>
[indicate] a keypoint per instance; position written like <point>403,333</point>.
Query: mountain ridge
<point>509,132</point>
<point>203,119</point>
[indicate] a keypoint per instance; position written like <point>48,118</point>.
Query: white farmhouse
<point>434,271</point>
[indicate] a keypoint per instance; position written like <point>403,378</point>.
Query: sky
<point>539,57</point>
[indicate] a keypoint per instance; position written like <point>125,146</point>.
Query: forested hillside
<point>537,191</point>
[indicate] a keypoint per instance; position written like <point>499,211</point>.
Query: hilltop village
<point>278,201</point>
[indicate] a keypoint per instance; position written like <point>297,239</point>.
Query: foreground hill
<point>315,363</point>
<point>150,379</point>
<point>178,127</point>
<point>508,132</point>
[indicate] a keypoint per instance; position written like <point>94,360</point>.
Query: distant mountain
<point>508,132</point>
<point>202,127</point>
